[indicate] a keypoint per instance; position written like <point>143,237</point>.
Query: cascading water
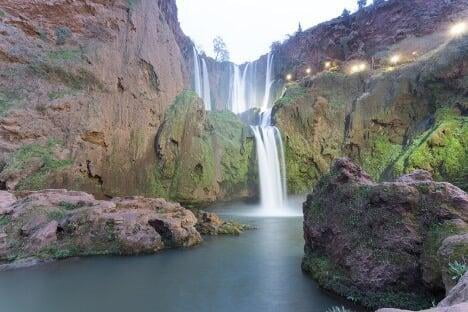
<point>206,87</point>
<point>268,82</point>
<point>272,170</point>
<point>197,73</point>
<point>201,79</point>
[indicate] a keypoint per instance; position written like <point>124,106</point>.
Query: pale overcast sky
<point>250,26</point>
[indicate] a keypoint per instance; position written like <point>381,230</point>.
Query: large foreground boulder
<point>456,300</point>
<point>389,244</point>
<point>54,224</point>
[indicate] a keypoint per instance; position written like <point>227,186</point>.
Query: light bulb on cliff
<point>395,59</point>
<point>308,71</point>
<point>288,77</point>
<point>458,29</point>
<point>327,65</point>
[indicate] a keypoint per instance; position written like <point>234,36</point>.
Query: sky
<point>248,27</point>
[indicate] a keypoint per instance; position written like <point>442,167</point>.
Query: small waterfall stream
<point>201,79</point>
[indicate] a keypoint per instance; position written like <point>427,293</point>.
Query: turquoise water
<point>257,271</point>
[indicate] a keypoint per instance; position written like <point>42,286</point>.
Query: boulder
<point>53,224</point>
<point>383,244</point>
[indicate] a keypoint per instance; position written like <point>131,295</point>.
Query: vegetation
<point>457,269</point>
<point>361,4</point>
<point>338,309</point>
<point>382,153</point>
<point>36,162</point>
<point>442,150</point>
<point>8,98</point>
<point>62,34</point>
<point>220,49</point>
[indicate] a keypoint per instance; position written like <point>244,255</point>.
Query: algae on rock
<point>202,156</point>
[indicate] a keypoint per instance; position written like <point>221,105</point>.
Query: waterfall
<point>272,170</point>
<point>206,87</point>
<point>201,79</point>
<point>268,82</point>
<point>196,73</point>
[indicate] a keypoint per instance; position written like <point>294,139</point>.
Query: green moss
<point>442,150</point>
<point>432,242</point>
<point>79,79</point>
<point>200,152</point>
<point>332,277</point>
<point>57,214</point>
<point>293,92</point>
<point>58,94</point>
<point>23,157</point>
<point>65,55</point>
<point>382,154</point>
<point>8,99</point>
<point>2,14</point>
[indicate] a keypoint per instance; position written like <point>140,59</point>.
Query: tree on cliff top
<point>220,49</point>
<point>361,4</point>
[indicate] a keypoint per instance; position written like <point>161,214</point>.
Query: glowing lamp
<point>327,64</point>
<point>458,29</point>
<point>362,67</point>
<point>395,59</point>
<point>288,77</point>
<point>308,71</point>
<point>415,53</point>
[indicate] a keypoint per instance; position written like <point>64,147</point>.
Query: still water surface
<point>257,271</point>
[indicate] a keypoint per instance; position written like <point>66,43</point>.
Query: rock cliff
<point>390,121</point>
<point>84,86</point>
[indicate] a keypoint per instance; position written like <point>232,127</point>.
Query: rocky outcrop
<point>384,244</point>
<point>211,224</point>
<point>390,122</point>
<point>456,300</point>
<point>54,224</point>
<point>94,78</point>
<point>372,34</point>
<point>202,156</point>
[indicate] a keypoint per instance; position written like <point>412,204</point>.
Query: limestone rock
<point>52,224</point>
<point>379,242</point>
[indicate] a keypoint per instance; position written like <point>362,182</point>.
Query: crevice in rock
<point>96,177</point>
<point>163,230</point>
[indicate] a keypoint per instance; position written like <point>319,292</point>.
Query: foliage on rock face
<point>201,155</point>
<point>382,154</point>
<point>442,150</point>
<point>33,164</point>
<point>378,243</point>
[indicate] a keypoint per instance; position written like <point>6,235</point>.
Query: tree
<point>377,2</point>
<point>220,49</point>
<point>361,4</point>
<point>345,14</point>
<point>299,29</point>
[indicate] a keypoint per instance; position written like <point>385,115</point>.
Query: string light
<point>288,77</point>
<point>358,68</point>
<point>327,64</point>
<point>458,29</point>
<point>308,71</point>
<point>395,59</point>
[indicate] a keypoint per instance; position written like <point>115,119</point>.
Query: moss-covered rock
<point>389,122</point>
<point>202,156</point>
<point>380,243</point>
<point>441,150</point>
<point>33,166</point>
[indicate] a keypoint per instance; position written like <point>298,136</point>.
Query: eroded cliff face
<point>84,86</point>
<point>391,122</point>
<point>372,34</point>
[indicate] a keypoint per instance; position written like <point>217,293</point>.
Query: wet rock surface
<point>52,224</point>
<point>384,244</point>
<point>391,122</point>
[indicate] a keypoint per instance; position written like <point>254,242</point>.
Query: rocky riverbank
<point>390,244</point>
<point>54,224</point>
